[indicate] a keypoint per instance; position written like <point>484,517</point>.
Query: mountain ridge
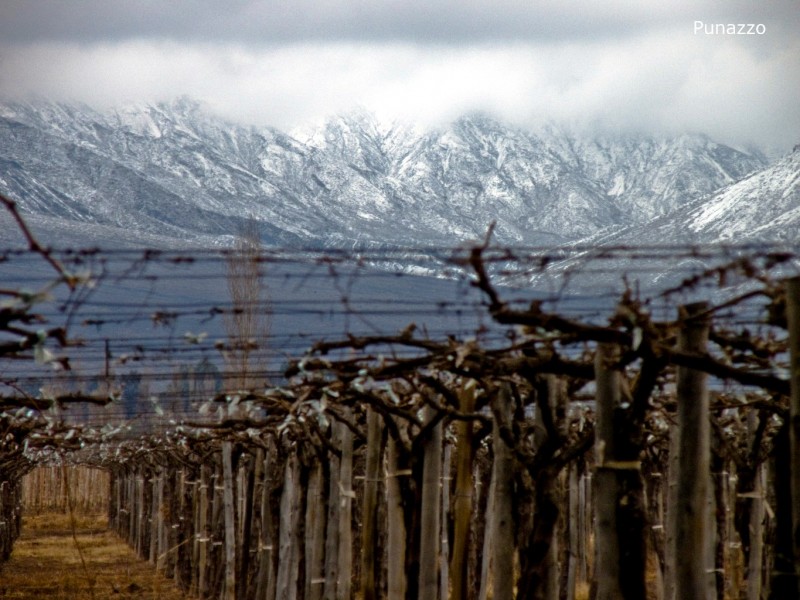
<point>174,169</point>
<point>763,207</point>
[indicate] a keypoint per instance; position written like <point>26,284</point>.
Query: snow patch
<point>617,186</point>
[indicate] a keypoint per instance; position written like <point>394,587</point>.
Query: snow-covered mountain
<point>761,208</point>
<point>758,215</point>
<point>174,170</point>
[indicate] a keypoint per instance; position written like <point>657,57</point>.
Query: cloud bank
<point>612,65</point>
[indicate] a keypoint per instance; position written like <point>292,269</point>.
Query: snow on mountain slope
<point>761,208</point>
<point>762,211</point>
<point>171,169</point>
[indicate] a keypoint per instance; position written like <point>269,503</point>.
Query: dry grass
<point>46,564</point>
<point>582,590</point>
<point>44,523</point>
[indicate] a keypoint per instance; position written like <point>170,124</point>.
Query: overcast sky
<point>614,65</point>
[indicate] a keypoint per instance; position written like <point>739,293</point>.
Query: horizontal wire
<point>330,293</point>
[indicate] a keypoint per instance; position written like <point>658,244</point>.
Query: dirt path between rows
<point>47,563</point>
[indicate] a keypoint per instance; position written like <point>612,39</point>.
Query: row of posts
<point>689,545</point>
<point>198,526</point>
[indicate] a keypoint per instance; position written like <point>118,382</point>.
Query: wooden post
<point>229,591</point>
<point>315,534</point>
<point>782,583</point>
<point>258,504</point>
<point>502,516</point>
<point>487,559</point>
<point>754,574</point>
<point>670,521</point>
<point>116,497</point>
<point>289,551</point>
<point>131,486</point>
<point>733,582</point>
<point>619,445</point>
<point>481,499</point>
<point>155,509</point>
<point>462,509</point>
<point>346,494</point>
<point>369,531</point>
<point>692,563</point>
<point>247,525</point>
<point>444,547</point>
<point>396,529</point>
<point>216,555</point>
<point>747,496</point>
<point>172,491</point>
<point>265,581</point>
<point>556,400</point>
<point>429,541</point>
<point>586,510</point>
<point>204,535</point>
<point>573,525</point>
<point>717,539</point>
<point>161,525</point>
<point>184,531</point>
<point>655,546</point>
<point>140,515</point>
<point>793,316</point>
<point>332,535</point>
<point>607,567</point>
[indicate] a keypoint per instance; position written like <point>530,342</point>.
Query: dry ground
<point>46,563</point>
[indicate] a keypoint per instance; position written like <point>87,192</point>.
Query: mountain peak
<point>174,167</point>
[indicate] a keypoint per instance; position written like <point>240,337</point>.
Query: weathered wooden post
<point>793,317</point>
<point>607,567</point>
<point>395,528</point>
<point>229,592</point>
<point>462,509</point>
<point>670,499</point>
<point>247,526</point>
<point>782,576</point>
<point>184,531</point>
<point>444,544</point>
<point>203,535</point>
<point>573,520</point>
<point>131,487</point>
<point>786,463</point>
<point>486,575</point>
<point>289,539</point>
<point>161,525</point>
<point>332,522</point>
<point>754,570</point>
<point>369,531</point>
<point>502,518</point>
<point>140,514</point>
<point>214,533</point>
<point>692,563</point>
<point>345,567</point>
<point>620,488</point>
<point>155,516</point>
<point>431,496</point>
<point>115,502</point>
<point>316,508</point>
<point>265,579</point>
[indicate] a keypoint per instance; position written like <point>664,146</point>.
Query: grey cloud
<point>649,84</point>
<point>428,21</point>
<point>620,64</point>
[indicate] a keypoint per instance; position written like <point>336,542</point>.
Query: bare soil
<point>51,559</point>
